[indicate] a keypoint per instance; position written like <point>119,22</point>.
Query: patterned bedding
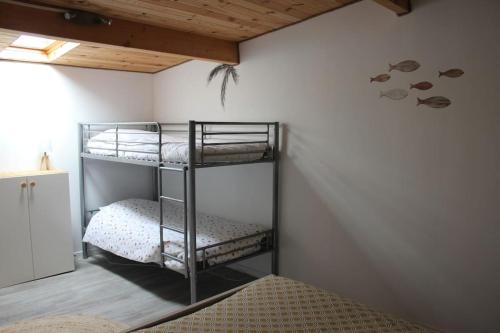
<point>277,304</point>
<point>130,229</point>
<point>143,145</point>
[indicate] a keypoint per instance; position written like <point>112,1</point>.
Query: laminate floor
<point>112,288</point>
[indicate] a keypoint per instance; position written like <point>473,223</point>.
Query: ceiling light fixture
<point>86,18</point>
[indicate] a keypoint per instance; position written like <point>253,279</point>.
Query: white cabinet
<point>16,264</point>
<point>35,226</point>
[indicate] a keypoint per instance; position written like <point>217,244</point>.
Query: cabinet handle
<point>32,184</point>
<point>23,185</point>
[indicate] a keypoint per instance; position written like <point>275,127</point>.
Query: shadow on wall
<point>356,231</point>
<point>310,229</point>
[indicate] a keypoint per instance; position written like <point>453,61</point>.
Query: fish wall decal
<point>424,85</point>
<point>405,66</point>
<point>380,78</point>
<point>453,73</point>
<point>436,102</point>
<point>394,94</point>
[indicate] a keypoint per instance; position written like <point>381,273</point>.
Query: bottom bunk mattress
<point>130,229</point>
<point>277,304</point>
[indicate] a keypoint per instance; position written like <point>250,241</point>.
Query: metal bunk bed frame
<point>188,171</point>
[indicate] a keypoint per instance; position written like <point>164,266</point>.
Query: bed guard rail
<point>142,141</point>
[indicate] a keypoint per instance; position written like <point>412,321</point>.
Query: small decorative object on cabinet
<point>45,163</point>
<point>35,226</point>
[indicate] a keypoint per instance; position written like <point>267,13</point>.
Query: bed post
<point>83,205</point>
<point>192,210</point>
<point>159,187</point>
<point>276,158</point>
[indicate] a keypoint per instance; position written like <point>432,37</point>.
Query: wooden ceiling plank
<point>267,10</point>
<point>142,59</point>
<point>105,63</point>
<point>205,13</point>
<point>121,33</point>
<point>173,17</point>
<point>245,10</point>
<point>119,67</point>
<point>146,57</point>
<point>113,65</point>
<point>283,10</point>
<point>145,60</point>
<point>233,20</point>
<point>262,22</point>
<point>158,13</point>
<point>400,7</point>
<point>7,39</point>
<point>126,9</point>
<point>109,63</point>
<point>306,8</point>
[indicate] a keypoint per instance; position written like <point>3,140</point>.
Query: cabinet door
<point>50,224</point>
<point>16,262</point>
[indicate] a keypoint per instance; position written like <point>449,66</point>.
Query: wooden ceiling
<point>106,57</point>
<point>233,20</point>
<point>7,38</point>
<point>152,35</point>
<point>102,57</point>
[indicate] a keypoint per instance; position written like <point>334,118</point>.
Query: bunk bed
<point>170,231</point>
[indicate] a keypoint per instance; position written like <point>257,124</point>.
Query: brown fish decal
<point>380,78</point>
<point>436,102</point>
<point>424,85</point>
<point>405,66</point>
<point>453,73</point>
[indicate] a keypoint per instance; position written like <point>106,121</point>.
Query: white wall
<point>41,103</point>
<point>387,203</point>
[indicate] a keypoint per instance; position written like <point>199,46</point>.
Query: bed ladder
<point>189,202</point>
<point>163,226</point>
<point>189,264</point>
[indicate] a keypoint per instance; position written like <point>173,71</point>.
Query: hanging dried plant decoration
<point>227,70</point>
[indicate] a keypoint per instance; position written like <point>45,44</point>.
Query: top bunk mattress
<point>143,145</point>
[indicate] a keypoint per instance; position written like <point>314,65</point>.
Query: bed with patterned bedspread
<point>277,304</point>
<point>130,229</point>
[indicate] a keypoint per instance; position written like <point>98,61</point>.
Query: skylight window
<point>36,49</point>
<point>35,43</point>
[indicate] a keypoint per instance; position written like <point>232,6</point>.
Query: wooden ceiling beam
<point>400,7</point>
<point>121,33</point>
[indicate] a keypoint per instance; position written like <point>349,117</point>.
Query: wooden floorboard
<point>107,286</point>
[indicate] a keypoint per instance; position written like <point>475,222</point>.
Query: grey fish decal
<point>424,85</point>
<point>394,94</point>
<point>453,73</point>
<point>405,66</point>
<point>380,78</point>
<point>436,102</point>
